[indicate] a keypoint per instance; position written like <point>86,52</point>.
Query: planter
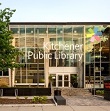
<point>57,92</point>
<point>23,101</point>
<point>107,88</point>
<point>12,91</point>
<point>75,85</point>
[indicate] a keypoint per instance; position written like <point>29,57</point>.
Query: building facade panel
<point>61,50</point>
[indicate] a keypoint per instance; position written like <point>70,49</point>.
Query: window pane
<point>52,62</point>
<point>52,30</point>
<point>14,30</point>
<point>30,41</point>
<point>0,73</point>
<point>59,77</point>
<point>22,31</point>
<point>16,42</point>
<point>41,31</point>
<point>29,31</point>
<point>6,73</point>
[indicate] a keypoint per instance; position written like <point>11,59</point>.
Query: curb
<point>26,105</point>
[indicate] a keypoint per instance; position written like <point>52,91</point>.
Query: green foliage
<point>8,52</point>
<point>100,92</point>
<point>44,98</point>
<point>74,78</point>
<point>17,97</point>
<point>50,78</point>
<point>35,98</point>
<point>25,97</point>
<point>41,80</point>
<point>40,99</point>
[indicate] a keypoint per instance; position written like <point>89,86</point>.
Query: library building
<point>66,52</point>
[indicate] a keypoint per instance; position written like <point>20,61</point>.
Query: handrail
<point>16,92</point>
<point>1,92</point>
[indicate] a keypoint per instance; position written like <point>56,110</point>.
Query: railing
<point>1,92</point>
<point>14,91</point>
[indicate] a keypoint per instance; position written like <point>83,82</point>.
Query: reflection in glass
<point>16,42</point>
<point>22,31</point>
<point>41,30</point>
<point>14,30</point>
<point>52,30</point>
<point>22,41</point>
<point>52,62</point>
<point>29,31</point>
<point>30,41</point>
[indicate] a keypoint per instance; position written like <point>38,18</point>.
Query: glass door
<point>66,80</point>
<point>60,80</point>
<point>63,80</point>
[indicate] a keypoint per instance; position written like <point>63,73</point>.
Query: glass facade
<point>66,35</point>
<point>29,38</point>
<point>97,55</point>
<point>88,47</point>
<point>4,73</point>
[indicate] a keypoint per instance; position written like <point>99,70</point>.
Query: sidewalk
<point>83,102</point>
<point>56,108</point>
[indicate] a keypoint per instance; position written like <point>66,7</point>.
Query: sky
<point>58,10</point>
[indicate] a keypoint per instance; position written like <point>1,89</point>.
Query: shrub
<point>17,97</point>
<point>44,98</point>
<point>35,99</point>
<point>40,99</point>
<point>25,97</point>
<point>100,92</point>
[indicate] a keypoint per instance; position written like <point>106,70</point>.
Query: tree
<point>8,52</point>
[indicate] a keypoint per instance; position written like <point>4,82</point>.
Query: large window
<point>66,36</point>
<point>97,55</point>
<point>4,73</point>
<point>29,39</point>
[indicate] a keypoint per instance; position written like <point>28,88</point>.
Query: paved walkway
<point>74,103</point>
<point>86,101</point>
<point>56,108</point>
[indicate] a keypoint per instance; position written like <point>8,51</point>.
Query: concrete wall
<point>72,70</point>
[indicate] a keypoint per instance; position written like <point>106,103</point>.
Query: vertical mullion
<point>37,59</point>
<point>100,65</point>
<point>84,57</point>
<point>94,70</point>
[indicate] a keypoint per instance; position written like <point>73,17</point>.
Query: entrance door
<point>60,80</point>
<point>63,80</point>
<point>66,80</point>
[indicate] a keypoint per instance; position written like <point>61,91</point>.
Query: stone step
<point>73,91</point>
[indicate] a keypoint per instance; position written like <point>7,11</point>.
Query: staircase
<point>73,92</point>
